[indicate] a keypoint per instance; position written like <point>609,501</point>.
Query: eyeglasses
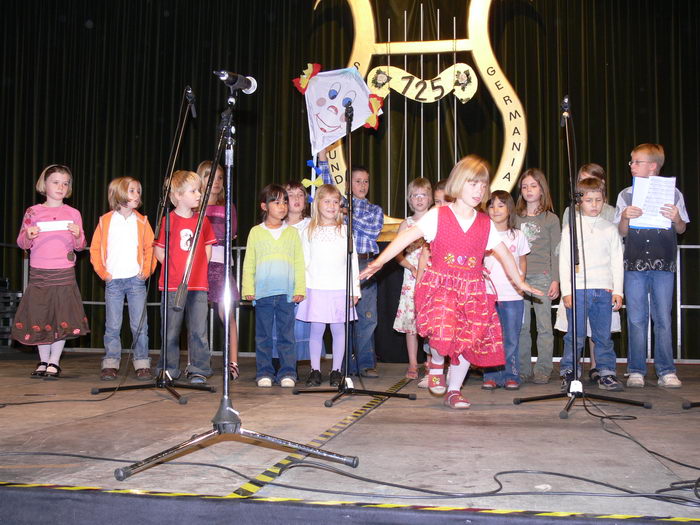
<point>419,196</point>
<point>638,162</point>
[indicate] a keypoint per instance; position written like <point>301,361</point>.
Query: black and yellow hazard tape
<point>353,504</point>
<point>253,485</point>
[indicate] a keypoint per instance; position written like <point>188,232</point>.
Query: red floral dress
<point>453,309</point>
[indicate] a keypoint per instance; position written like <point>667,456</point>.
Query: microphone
<point>189,95</point>
<point>235,81</point>
<point>564,110</point>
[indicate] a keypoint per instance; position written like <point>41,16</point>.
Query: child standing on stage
<point>51,310</point>
<point>650,265</point>
<point>453,308</point>
<point>273,277</point>
<point>216,273</point>
<point>509,304</point>
<point>325,244</point>
<point>598,285</point>
<point>121,253</point>
<point>535,217</point>
<point>185,194</point>
<point>589,171</point>
<point>419,198</point>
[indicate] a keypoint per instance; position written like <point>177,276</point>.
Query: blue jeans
<point>597,303</point>
<point>196,310</point>
<point>638,287</point>
<point>362,338</point>
<point>302,332</point>
<point>134,289</point>
<point>510,314</point>
<point>545,336</point>
<point>274,314</point>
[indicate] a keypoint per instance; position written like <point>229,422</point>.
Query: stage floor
<point>417,443</point>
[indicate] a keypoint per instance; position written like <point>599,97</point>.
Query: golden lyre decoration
<point>459,79</point>
<point>365,46</point>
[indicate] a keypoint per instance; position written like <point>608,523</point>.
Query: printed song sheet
<point>651,194</point>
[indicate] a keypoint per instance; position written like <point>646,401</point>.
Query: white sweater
<point>602,247</point>
<point>325,255</point>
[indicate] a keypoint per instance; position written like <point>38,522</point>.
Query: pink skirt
<point>324,306</point>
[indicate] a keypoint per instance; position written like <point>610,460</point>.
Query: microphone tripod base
<point>227,421</point>
<point>575,392</point>
<point>162,381</point>
<point>345,388</point>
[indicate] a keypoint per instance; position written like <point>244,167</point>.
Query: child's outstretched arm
<point>508,263</point>
<point>396,246</point>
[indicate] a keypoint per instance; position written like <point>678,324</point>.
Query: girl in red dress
<point>453,309</point>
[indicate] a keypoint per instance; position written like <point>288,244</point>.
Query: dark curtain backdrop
<point>98,85</point>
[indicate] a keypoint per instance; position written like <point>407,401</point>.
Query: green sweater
<point>273,266</point>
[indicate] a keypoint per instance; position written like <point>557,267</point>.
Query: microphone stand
<point>227,420</point>
<point>164,380</point>
<point>345,387</point>
<point>576,390</point>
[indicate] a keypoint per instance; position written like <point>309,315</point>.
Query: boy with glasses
<point>650,264</point>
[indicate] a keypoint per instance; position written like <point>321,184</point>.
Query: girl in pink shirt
<point>51,309</point>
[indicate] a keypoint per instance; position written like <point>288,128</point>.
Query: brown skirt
<point>51,308</point>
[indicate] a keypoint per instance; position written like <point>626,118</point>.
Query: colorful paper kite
<point>327,93</point>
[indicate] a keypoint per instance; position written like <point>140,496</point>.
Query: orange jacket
<point>144,254</point>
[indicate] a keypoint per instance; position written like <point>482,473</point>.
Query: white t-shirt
<point>428,224</point>
<point>499,282</point>
<point>122,246</point>
<point>325,255</point>
<point>275,232</point>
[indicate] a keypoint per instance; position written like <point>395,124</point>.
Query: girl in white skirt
<point>325,255</point>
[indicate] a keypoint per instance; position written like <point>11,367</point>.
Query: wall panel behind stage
<point>97,85</point>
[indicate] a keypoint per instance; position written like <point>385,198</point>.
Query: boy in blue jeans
<point>650,264</point>
<point>599,285</point>
<point>185,195</point>
<point>274,278</point>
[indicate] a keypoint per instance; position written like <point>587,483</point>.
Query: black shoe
<point>314,378</point>
<point>336,377</point>
<point>566,380</point>
<point>594,375</point>
<point>40,370</point>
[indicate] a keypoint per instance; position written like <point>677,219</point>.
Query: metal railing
<point>238,252</point>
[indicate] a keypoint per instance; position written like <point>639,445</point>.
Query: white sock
<point>56,351</point>
<point>316,344</point>
<point>457,374</point>
<point>436,358</point>
<point>338,331</point>
<point>44,353</point>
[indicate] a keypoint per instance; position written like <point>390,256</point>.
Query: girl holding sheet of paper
<point>51,310</point>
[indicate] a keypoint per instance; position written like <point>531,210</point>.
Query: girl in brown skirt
<point>51,309</point>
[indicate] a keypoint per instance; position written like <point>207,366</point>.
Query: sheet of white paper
<point>53,226</point>
<point>650,194</point>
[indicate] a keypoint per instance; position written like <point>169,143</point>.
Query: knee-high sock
<point>338,331</point>
<point>457,374</point>
<point>44,353</point>
<point>316,344</point>
<point>56,351</point>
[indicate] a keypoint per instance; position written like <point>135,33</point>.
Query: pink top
<point>51,250</point>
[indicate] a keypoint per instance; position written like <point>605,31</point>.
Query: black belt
<point>365,256</point>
